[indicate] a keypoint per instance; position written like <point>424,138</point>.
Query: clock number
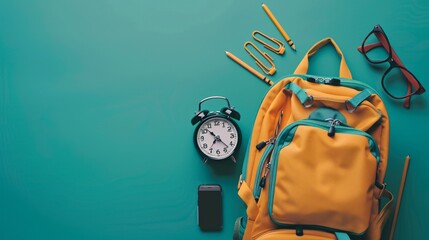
<point>209,125</point>
<point>211,150</point>
<point>202,138</point>
<point>232,135</point>
<point>231,144</point>
<point>225,150</point>
<point>229,129</point>
<point>204,131</point>
<point>218,152</point>
<point>205,145</point>
<point>223,124</point>
<point>217,123</point>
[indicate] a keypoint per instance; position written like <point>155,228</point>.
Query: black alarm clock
<point>217,135</point>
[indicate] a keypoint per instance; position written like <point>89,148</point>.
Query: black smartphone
<point>210,207</point>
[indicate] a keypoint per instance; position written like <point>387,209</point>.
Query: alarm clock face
<point>217,138</point>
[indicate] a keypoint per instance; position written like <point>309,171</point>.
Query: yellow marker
<point>278,26</point>
<point>249,68</point>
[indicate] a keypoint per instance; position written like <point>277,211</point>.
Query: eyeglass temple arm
<point>369,47</point>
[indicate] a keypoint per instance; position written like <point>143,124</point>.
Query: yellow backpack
<point>316,161</point>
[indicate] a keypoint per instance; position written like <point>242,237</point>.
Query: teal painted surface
<point>96,99</point>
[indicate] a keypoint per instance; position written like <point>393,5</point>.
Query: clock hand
<point>211,133</point>
<point>213,143</point>
<point>217,138</point>
<point>223,142</point>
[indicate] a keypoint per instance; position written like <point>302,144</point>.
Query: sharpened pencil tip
<point>226,52</point>
<point>293,47</point>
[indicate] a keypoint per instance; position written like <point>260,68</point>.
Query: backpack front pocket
<point>323,175</point>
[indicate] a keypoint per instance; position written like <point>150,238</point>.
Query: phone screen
<point>210,207</point>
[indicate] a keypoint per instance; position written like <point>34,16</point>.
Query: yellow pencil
<point>278,26</point>
<point>249,68</point>
<point>398,201</point>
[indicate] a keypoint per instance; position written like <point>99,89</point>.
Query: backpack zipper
<point>264,166</point>
<point>324,125</point>
<point>262,144</point>
<point>265,160</point>
<point>334,122</point>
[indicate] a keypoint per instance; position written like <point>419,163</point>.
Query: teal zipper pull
<point>262,144</point>
<point>263,181</point>
<point>264,178</point>
<point>334,122</point>
<point>262,173</point>
<point>299,231</point>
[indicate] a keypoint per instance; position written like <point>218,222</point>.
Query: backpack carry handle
<point>303,65</point>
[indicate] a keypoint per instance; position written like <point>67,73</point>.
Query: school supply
<point>316,160</point>
<point>210,210</point>
<point>217,136</point>
<point>398,201</point>
<point>377,49</point>
<point>280,46</point>
<point>249,68</point>
<point>278,26</point>
<point>268,70</point>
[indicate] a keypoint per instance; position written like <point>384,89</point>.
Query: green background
<point>96,99</point>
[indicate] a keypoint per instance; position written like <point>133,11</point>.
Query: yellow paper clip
<point>279,50</point>
<point>268,70</point>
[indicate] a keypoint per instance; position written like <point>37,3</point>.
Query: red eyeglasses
<point>377,49</point>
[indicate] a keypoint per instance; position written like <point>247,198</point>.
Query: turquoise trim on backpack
<point>342,236</point>
<point>299,92</point>
<point>257,189</point>
<point>323,113</point>
<point>239,227</point>
<point>359,98</point>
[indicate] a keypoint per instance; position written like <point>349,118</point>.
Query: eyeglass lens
<point>374,51</point>
<point>395,82</point>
